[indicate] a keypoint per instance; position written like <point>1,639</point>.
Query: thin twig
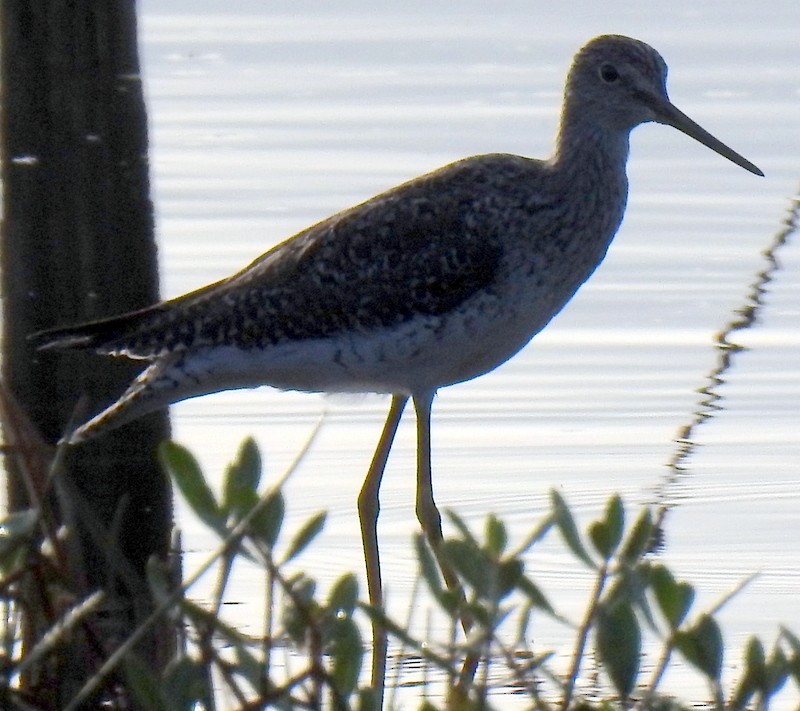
<point>583,634</point>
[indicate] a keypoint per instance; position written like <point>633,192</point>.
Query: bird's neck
<point>591,151</point>
<point>589,163</point>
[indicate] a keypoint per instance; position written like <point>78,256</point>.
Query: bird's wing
<point>419,249</point>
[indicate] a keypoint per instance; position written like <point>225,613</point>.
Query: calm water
<point>270,117</point>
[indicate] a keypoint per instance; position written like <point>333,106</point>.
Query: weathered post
<point>77,244</point>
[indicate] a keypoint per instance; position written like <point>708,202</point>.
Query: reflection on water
<point>745,317</point>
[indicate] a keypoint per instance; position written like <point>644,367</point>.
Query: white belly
<point>420,355</point>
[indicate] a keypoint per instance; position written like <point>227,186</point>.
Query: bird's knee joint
<point>369,507</point>
<point>431,521</point>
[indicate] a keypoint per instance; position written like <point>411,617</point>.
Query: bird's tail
<point>107,335</point>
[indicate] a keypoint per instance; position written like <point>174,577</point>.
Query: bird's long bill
<point>667,113</point>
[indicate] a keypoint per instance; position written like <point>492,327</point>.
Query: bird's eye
<point>609,73</point>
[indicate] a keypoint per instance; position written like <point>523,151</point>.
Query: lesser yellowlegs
<point>434,282</point>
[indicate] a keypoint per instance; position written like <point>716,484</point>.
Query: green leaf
<point>536,535</point>
<point>534,594</point>
<point>701,646</point>
<point>794,669</point>
<point>181,465</point>
<point>307,533</point>
<point>619,645</point>
<point>496,536</point>
<point>471,564</point>
<point>674,598</point>
<point>428,566</point>
<point>755,662</point>
<point>348,654</point>
<point>742,694</point>
<point>569,531</point>
<point>753,676</point>
<point>777,672</point>
<point>792,639</point>
<point>599,536</point>
<point>524,622</point>
<point>267,521</point>
<point>509,573</point>
<point>638,540</point>
<point>793,663</point>
<point>302,588</point>
<point>186,683</point>
<point>299,608</point>
<point>463,529</point>
<point>240,485</point>
<point>606,533</point>
<point>761,675</point>
<point>344,594</point>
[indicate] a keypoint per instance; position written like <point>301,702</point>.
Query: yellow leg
<point>428,514</point>
<point>368,509</point>
<point>430,518</point>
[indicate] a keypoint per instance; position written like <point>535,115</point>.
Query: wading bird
<point>431,283</point>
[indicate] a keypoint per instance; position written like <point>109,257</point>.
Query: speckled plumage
<point>428,271</point>
<point>434,282</point>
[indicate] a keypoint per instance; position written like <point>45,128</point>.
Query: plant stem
<point>583,634</point>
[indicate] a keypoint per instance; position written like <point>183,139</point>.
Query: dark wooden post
<point>77,244</point>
